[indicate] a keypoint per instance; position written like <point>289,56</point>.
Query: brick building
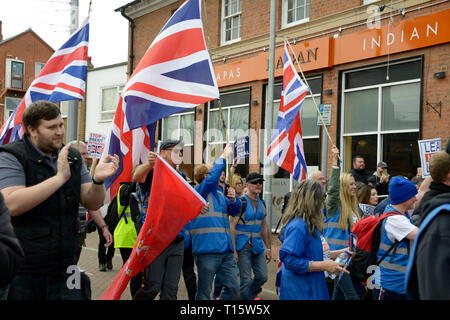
<point>381,65</point>
<point>21,58</point>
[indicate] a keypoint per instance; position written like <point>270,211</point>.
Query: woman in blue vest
<point>397,229</point>
<point>342,211</point>
<point>301,254</point>
<point>251,233</point>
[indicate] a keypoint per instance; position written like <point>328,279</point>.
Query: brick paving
<point>100,280</point>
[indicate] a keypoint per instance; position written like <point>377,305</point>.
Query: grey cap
<point>170,143</point>
<point>382,164</point>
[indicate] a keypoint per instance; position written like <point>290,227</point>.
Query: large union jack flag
<point>175,74</point>
<point>62,78</point>
<point>286,146</point>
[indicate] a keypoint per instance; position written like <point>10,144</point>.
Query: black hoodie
<point>430,274</point>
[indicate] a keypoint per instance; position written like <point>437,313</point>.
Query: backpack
<point>368,232</point>
<point>244,207</point>
<point>113,217</point>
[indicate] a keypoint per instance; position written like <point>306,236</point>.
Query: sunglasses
<point>257,182</point>
<point>177,150</point>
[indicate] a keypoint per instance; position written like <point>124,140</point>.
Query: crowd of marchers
<point>47,193</point>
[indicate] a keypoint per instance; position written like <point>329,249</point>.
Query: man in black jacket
<point>11,253</point>
<point>358,171</point>
<point>43,183</point>
<point>428,274</point>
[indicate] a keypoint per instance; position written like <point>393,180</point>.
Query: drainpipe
<point>132,26</point>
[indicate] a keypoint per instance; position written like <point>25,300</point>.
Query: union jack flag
<point>175,74</point>
<point>62,78</point>
<point>286,146</point>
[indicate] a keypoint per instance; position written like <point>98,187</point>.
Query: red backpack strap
<point>389,214</point>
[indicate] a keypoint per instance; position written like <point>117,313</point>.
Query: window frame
<point>5,116</point>
<point>284,15</point>
<point>36,65</point>
<point>227,120</point>
<point>379,132</point>
<point>179,125</point>
<point>119,93</point>
<point>224,18</point>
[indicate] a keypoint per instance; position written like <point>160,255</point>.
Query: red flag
<point>172,204</point>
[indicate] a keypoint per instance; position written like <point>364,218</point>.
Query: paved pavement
<point>101,280</point>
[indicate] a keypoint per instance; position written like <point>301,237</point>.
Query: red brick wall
<point>27,47</point>
<point>322,8</point>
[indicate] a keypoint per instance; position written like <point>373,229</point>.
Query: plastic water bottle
<point>342,258</point>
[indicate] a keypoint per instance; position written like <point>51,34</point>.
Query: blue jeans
<point>217,264</point>
<point>247,262</point>
<point>344,289</point>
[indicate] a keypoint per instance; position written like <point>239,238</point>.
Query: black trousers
<point>190,280</point>
<point>105,254</point>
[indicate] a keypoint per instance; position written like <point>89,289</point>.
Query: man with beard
<point>43,183</point>
<point>358,170</point>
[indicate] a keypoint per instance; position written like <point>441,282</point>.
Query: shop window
<point>235,109</point>
<point>181,126</point>
<point>401,152</point>
<point>361,109</point>
<point>231,20</point>
<point>401,107</point>
<point>295,12</point>
<point>379,112</point>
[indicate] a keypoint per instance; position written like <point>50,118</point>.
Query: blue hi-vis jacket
<point>392,270</point>
<point>252,228</point>
<point>337,238</point>
<point>210,232</point>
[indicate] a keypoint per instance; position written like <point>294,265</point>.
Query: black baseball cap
<point>170,143</point>
<point>254,177</point>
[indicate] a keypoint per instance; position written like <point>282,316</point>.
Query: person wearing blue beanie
<point>401,190</point>
<point>397,230</point>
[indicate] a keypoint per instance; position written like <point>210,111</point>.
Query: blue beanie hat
<point>401,190</point>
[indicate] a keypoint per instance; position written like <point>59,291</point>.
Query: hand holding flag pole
<point>227,141</point>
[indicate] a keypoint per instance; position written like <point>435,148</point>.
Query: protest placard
<point>95,144</point>
<point>242,148</point>
<point>426,149</point>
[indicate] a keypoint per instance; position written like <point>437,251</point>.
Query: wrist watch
<point>96,182</point>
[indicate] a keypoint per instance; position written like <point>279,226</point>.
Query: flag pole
<point>226,139</point>
<point>312,96</point>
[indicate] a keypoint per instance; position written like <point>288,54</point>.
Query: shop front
<point>379,83</point>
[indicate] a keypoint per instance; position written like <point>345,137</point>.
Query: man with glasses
<point>252,238</point>
<point>164,272</point>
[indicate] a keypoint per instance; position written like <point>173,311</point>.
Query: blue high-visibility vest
<point>210,232</point>
<point>251,229</point>
<point>336,237</point>
<point>393,267</point>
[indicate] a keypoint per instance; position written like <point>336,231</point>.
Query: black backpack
<point>127,199</point>
<point>244,207</point>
